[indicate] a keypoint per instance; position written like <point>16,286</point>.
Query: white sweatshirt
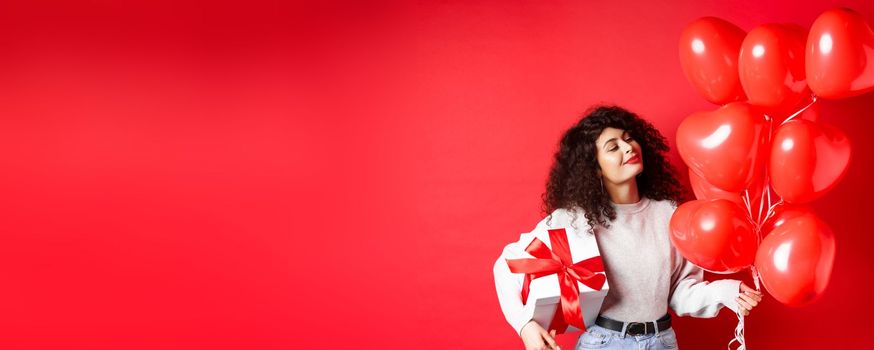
<point>645,272</point>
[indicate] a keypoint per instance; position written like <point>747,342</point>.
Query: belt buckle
<point>628,328</point>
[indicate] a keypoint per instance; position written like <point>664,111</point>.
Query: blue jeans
<point>597,337</point>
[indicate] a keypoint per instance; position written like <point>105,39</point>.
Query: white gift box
<point>544,299</point>
<point>544,296</point>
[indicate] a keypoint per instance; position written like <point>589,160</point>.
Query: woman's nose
<point>627,147</point>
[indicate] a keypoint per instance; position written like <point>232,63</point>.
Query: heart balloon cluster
<point>766,141</point>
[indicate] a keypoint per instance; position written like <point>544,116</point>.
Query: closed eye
<point>614,148</point>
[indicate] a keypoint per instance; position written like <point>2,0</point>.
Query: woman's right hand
<point>536,338</point>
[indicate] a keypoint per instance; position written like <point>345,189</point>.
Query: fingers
<point>752,302</point>
<point>533,336</point>
<point>552,334</point>
<point>550,339</point>
<point>744,288</point>
<point>743,305</point>
<point>755,296</point>
<point>747,299</point>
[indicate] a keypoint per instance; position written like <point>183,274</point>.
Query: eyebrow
<point>613,139</point>
<point>608,141</point>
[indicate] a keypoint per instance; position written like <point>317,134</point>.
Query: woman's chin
<point>636,169</point>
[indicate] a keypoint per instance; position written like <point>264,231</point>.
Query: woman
<point>610,169</point>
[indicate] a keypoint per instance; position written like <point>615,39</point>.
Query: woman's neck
<point>624,193</point>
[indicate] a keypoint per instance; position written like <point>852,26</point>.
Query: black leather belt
<point>635,328</point>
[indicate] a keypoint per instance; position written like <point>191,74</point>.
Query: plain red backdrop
<point>272,175</point>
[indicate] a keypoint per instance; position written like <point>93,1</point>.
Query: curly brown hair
<point>573,179</point>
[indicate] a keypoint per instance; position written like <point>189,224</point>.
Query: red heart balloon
<point>795,260</point>
<point>807,160</point>
<point>716,235</point>
<point>679,223</point>
<point>771,66</point>
<point>704,190</point>
<point>722,145</point>
<point>782,213</point>
<point>840,55</point>
<point>709,50</point>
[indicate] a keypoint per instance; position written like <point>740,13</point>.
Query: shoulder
<point>663,208</point>
<point>665,204</point>
<point>572,219</point>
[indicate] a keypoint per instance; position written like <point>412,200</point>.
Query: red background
<point>269,176</point>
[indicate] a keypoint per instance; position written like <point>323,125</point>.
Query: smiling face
<point>619,156</point>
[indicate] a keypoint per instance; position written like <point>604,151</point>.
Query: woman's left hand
<point>747,299</point>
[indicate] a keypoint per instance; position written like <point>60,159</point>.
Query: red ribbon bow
<point>558,261</point>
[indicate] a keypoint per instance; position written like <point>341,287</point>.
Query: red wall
<point>265,175</point>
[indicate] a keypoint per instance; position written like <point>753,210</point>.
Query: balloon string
<point>812,101</point>
<point>766,195</point>
<point>758,221</point>
<point>739,329</point>
<point>739,333</point>
<point>770,212</point>
<point>756,278</point>
<point>771,209</point>
<point>766,183</point>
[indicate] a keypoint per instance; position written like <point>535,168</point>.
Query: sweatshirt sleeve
<point>693,296</point>
<point>509,285</point>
